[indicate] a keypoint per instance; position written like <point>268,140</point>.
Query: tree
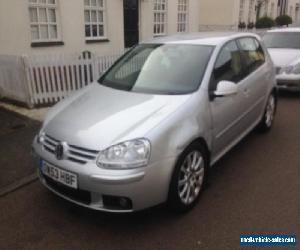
<point>283,20</point>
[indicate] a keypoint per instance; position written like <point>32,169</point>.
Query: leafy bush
<point>283,20</point>
<point>264,22</point>
<point>250,26</point>
<point>242,25</point>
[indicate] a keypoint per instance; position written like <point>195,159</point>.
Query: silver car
<point>284,48</point>
<point>148,131</point>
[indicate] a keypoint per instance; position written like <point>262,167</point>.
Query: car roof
<point>294,29</point>
<point>200,38</point>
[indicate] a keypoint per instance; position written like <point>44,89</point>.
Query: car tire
<point>189,178</point>
<point>267,120</point>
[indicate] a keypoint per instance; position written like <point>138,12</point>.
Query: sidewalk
<point>34,114</point>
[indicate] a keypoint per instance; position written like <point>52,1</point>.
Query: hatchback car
<point>150,128</point>
<point>284,48</point>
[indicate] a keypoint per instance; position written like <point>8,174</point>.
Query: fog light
<point>116,203</point>
<point>40,138</point>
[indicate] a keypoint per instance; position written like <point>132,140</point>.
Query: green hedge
<point>283,20</point>
<point>265,22</point>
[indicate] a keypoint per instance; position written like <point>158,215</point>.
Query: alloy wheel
<point>270,111</point>
<point>191,177</point>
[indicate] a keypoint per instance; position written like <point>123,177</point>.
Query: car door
<point>227,111</point>
<point>255,79</point>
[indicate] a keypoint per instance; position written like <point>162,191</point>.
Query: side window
<point>252,54</point>
<point>228,65</point>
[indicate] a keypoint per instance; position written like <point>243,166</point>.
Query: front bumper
<point>143,187</point>
<point>288,82</point>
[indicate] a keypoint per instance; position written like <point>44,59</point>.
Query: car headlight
<point>126,155</point>
<point>286,70</point>
<point>296,69</point>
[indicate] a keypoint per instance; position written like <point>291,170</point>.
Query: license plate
<point>64,177</point>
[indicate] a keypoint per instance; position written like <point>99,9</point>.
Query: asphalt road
<point>254,189</point>
<point>16,133</point>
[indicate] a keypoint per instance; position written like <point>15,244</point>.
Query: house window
<point>43,20</point>
<point>251,13</point>
<point>94,18</point>
<point>182,19</point>
<point>241,14</point>
<point>297,13</point>
<point>266,7</point>
<point>160,17</point>
<point>272,10</point>
<point>291,11</point>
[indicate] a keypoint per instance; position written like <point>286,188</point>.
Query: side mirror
<point>225,88</point>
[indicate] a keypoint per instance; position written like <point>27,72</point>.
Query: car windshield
<point>167,69</point>
<point>288,40</point>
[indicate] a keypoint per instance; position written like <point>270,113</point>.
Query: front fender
<point>183,127</point>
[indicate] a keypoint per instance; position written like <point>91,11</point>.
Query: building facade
<point>291,8</point>
<point>106,26</point>
<point>274,8</point>
<point>270,8</point>
<point>247,11</point>
<point>218,15</point>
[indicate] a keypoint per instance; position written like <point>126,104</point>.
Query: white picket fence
<point>42,80</point>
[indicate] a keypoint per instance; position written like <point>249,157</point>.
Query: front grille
<point>288,84</point>
<point>78,195</point>
<point>72,153</point>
